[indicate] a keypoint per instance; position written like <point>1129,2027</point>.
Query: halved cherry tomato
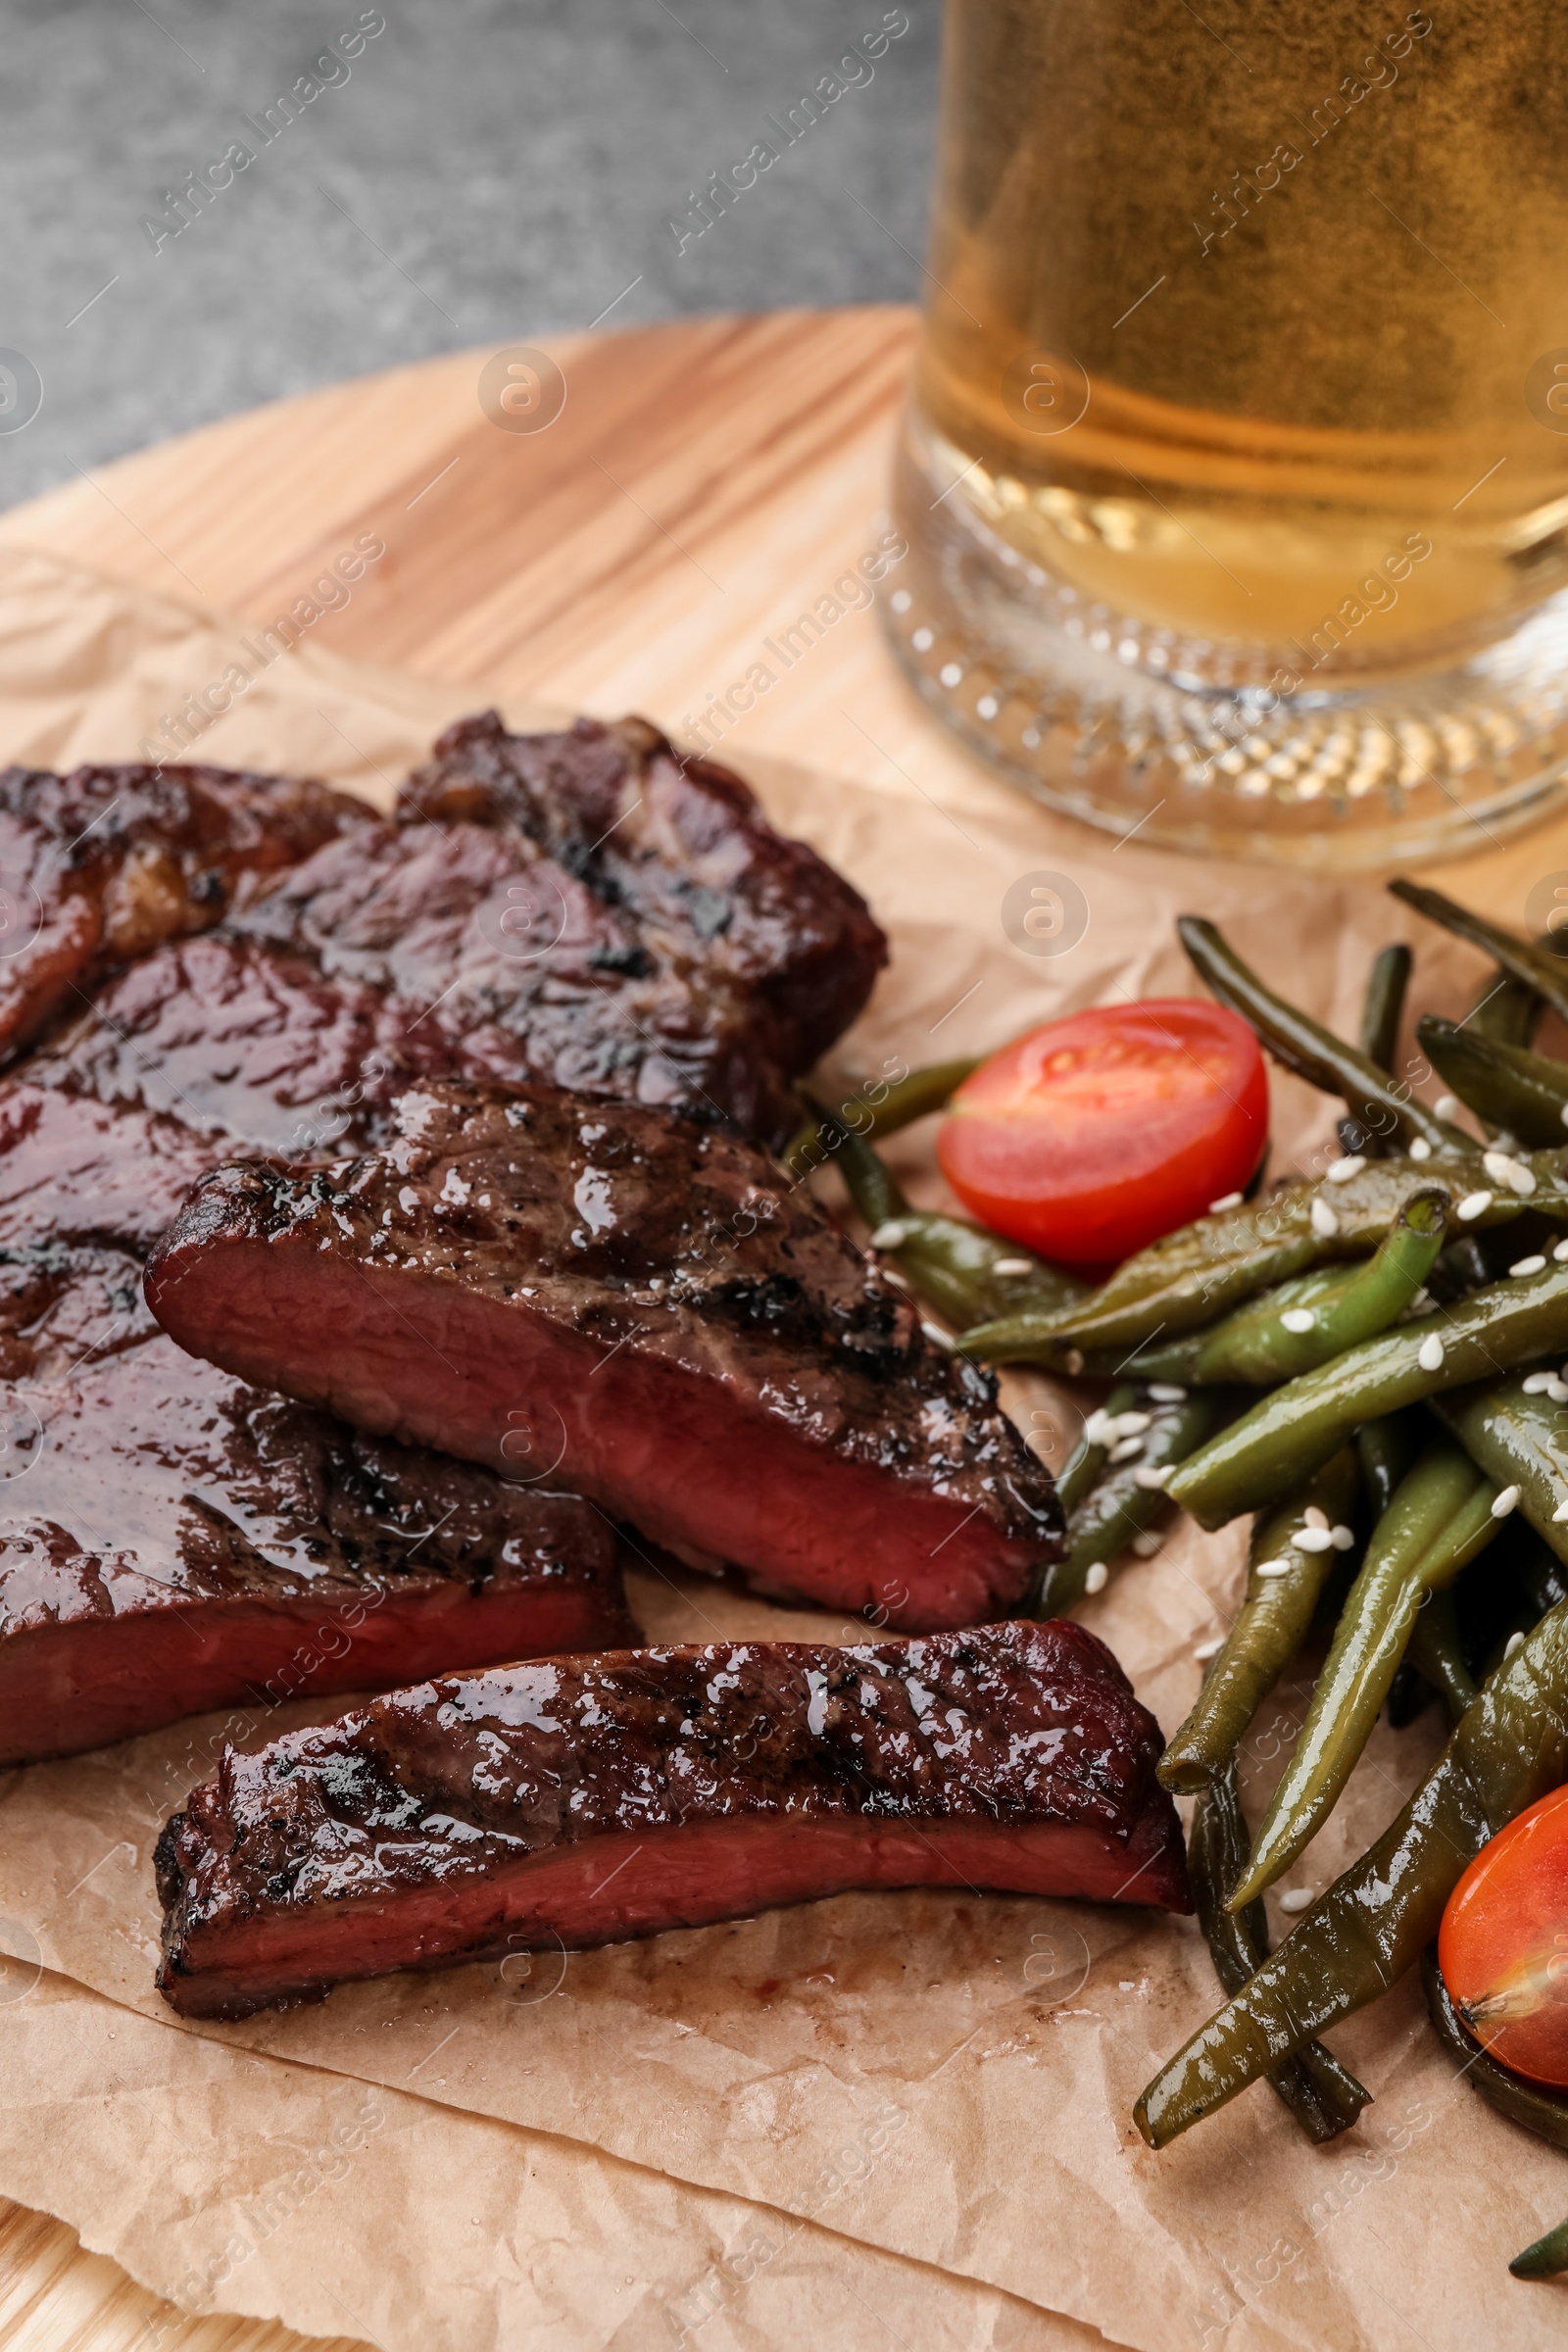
<point>1503,1943</point>
<point>1090,1138</point>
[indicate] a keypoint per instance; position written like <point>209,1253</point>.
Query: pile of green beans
<point>1284,1584</point>
<point>1372,1363</point>
<point>1423,1430</point>
<point>1378,1918</point>
<point>1123,1499</point>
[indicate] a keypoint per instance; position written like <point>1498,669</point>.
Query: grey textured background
<point>489,171</point>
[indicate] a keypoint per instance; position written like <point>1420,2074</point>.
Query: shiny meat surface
<point>171,1540</point>
<point>72,1169</point>
<point>235,1040</point>
<point>484,943</point>
<point>104,864</point>
<point>580,1801</point>
<point>682,849</point>
<point>228,960</point>
<point>645,1306</point>
<point>486,947</point>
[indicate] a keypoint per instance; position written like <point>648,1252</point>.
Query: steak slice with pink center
<point>639,1304</point>
<point>172,1538</point>
<point>579,1801</point>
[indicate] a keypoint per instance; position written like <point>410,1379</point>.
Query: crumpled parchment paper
<point>890,2081</point>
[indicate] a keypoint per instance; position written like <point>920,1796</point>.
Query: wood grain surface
<point>703,484</point>
<point>54,2297</point>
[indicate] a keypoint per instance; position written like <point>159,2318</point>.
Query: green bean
<point>1542,1575</point>
<point>1375,1921</point>
<point>1541,2111</point>
<point>1086,1465</point>
<point>1438,1656</point>
<point>1289,1433</point>
<point>1200,1272</point>
<point>1534,966</point>
<point>1442,1516</point>
<point>1525,1093</point>
<point>1518,1436</point>
<point>1507,1012</point>
<point>1409,1696</point>
<point>1382,1010</point>
<point>1270,1625</point>
<point>1312,1052</point>
<point>1546,2258</point>
<point>1386,1452</point>
<point>1531,2104</point>
<point>1131,1495</point>
<point>959,1269</point>
<point>1384,1005</point>
<point>907,1099</point>
<point>1324,2097</point>
<point>1265,1341</point>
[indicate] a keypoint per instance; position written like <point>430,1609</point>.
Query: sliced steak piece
<point>682,847</point>
<point>580,1801</point>
<point>643,1304</point>
<point>171,1538</point>
<point>106,862</point>
<point>237,1041</point>
<point>172,1541</point>
<point>484,944</point>
<point>62,1305</point>
<point>76,1170</point>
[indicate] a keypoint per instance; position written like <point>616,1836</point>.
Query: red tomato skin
<point>1092,1135</point>
<point>1505,1930</point>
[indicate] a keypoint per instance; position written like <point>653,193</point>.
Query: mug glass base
<point>1143,732</point>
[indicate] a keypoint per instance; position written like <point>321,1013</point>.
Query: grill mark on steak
<point>684,849</point>
<point>520,970</point>
<point>645,1306</point>
<point>581,1801</point>
<point>108,862</point>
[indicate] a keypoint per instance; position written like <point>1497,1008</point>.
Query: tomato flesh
<point>1092,1136</point>
<point>1503,1943</point>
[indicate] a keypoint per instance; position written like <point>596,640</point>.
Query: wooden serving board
<point>704,484</point>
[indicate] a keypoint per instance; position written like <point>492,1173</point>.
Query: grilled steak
<point>76,1169</point>
<point>171,1540</point>
<point>588,910</point>
<point>234,1040</point>
<point>642,1305</point>
<point>681,847</point>
<point>584,907</point>
<point>579,1801</point>
<point>225,959</point>
<point>483,944</point>
<point>106,862</point>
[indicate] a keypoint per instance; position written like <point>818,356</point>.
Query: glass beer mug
<point>1234,467</point>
